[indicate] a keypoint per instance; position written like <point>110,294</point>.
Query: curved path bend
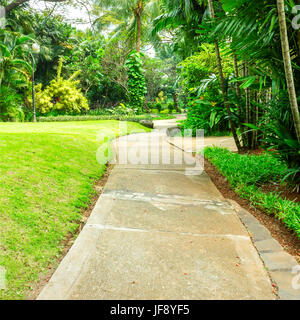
<point>160,231</point>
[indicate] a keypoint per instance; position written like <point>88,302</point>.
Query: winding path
<point>160,231</point>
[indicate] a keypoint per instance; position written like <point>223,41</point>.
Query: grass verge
<point>247,173</point>
<point>47,174</point>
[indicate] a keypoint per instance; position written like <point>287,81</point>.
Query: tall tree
<point>138,11</point>
<point>178,24</point>
<point>288,66</point>
<point>222,81</point>
<point>132,16</point>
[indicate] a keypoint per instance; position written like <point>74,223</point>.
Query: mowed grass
<point>47,174</point>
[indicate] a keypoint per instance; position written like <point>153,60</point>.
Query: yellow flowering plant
<point>61,95</point>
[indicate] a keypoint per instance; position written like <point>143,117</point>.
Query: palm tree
<point>132,16</point>
<point>178,23</point>
<point>13,64</point>
<point>288,66</point>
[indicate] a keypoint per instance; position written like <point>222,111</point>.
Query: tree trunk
<point>138,33</point>
<point>138,11</point>
<point>237,86</point>
<point>175,99</point>
<point>241,114</point>
<point>222,81</point>
<point>288,66</point>
<point>248,109</point>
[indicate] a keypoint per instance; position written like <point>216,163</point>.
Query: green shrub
<point>246,175</point>
<point>61,95</point>
<point>277,131</point>
<point>202,64</point>
<point>206,115</point>
<point>158,107</point>
<point>170,107</point>
<point>10,105</point>
<point>122,110</point>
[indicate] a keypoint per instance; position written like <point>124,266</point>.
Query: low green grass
<point>47,174</point>
<point>247,173</point>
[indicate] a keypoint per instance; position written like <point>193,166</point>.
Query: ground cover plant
<point>48,171</point>
<point>248,173</point>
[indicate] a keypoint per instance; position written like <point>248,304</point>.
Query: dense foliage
<point>61,96</point>
<point>247,175</point>
<point>136,79</point>
<point>237,75</point>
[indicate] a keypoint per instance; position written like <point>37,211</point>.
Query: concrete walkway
<point>160,231</point>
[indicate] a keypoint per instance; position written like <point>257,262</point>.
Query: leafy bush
<point>123,110</point>
<point>14,74</point>
<point>206,115</point>
<point>158,107</point>
<point>203,64</point>
<point>61,95</point>
<point>247,173</point>
<point>277,132</point>
<point>161,98</point>
<point>171,107</point>
<point>136,80</point>
<point>10,105</point>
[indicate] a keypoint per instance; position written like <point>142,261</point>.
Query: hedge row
<point>134,118</point>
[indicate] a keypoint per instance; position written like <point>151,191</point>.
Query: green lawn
<point>247,174</point>
<point>47,174</point>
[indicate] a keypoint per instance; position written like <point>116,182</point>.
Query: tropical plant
<point>130,16</point>
<point>202,65</point>
<point>136,80</point>
<point>170,107</point>
<point>61,95</point>
<point>222,82</point>
<point>87,56</point>
<point>14,69</point>
<point>14,74</point>
<point>10,104</point>
<point>177,25</point>
<point>288,66</point>
<point>276,133</point>
<point>158,106</point>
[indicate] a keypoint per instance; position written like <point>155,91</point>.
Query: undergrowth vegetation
<point>248,173</point>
